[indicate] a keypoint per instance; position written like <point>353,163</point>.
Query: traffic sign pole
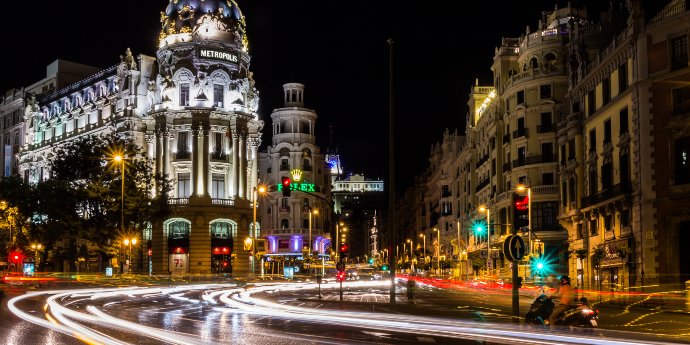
<point>514,250</point>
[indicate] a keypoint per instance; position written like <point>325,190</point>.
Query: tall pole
<point>529,218</point>
<point>391,171</point>
<point>458,243</point>
<point>253,234</point>
<point>309,254</point>
<point>488,239</point>
<point>438,249</point>
<point>337,235</point>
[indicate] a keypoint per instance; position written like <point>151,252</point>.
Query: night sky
<point>337,49</point>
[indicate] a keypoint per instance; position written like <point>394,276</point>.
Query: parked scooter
<point>580,315</point>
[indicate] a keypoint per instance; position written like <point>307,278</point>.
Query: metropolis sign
<point>218,55</point>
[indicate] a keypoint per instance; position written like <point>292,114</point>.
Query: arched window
<point>148,232</point>
<point>550,57</point>
<point>534,63</point>
<point>284,224</point>
<point>223,229</point>
<point>178,229</point>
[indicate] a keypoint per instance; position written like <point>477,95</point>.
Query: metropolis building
<point>192,109</point>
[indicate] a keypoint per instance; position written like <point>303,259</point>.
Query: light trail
<point>228,298</point>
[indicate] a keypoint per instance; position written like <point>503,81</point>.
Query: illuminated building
<point>192,109</point>
<point>285,221</point>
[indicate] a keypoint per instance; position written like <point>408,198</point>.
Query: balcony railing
<point>533,160</point>
<point>223,202</point>
<point>284,167</point>
<point>284,209</point>
<point>483,184</point>
<point>519,133</point>
<point>294,231</point>
<point>547,128</point>
<point>608,193</point>
<point>178,201</point>
<point>482,160</point>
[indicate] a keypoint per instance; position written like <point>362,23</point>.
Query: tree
<point>82,197</point>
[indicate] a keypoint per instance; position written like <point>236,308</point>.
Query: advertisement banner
<point>178,264</point>
<point>8,160</point>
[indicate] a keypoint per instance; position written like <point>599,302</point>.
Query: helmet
<point>565,280</point>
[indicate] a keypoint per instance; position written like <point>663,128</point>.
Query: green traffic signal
<point>384,267</point>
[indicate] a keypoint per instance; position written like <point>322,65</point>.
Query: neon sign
<point>300,187</point>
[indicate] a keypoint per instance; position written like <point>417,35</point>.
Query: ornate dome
<point>189,16</point>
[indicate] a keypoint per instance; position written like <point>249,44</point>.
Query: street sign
<point>340,266</point>
<point>514,248</point>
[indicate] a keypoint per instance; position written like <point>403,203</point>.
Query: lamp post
<point>36,248</point>
<point>488,236</point>
<point>312,213</point>
<point>129,242</point>
<point>520,188</point>
<point>337,237</point>
<point>119,158</point>
<point>424,237</point>
<point>261,189</point>
<point>438,249</point>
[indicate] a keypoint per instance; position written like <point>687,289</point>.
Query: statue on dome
<point>129,60</point>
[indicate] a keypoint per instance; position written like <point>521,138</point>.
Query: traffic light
<point>340,276</point>
<point>286,182</point>
<point>384,267</point>
<point>343,251</point>
<point>520,211</point>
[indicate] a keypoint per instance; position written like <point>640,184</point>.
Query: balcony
<point>223,202</point>
<point>218,156</point>
<point>483,184</point>
<point>533,160</point>
<point>546,128</point>
<point>608,193</point>
<point>284,167</point>
<point>519,133</point>
<point>284,209</point>
<point>183,155</point>
<point>178,201</point>
<point>482,160</point>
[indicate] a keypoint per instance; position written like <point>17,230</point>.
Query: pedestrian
<point>410,290</point>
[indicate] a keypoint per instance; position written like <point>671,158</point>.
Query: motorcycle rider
<point>565,295</point>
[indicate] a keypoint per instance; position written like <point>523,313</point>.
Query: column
<point>234,172</point>
<point>243,166</point>
<point>255,142</point>
<point>204,166</point>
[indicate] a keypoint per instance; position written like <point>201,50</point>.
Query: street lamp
<point>337,236</point>
<point>129,242</point>
<point>488,236</point>
<point>36,248</point>
<point>119,158</point>
<point>411,246</point>
<point>424,237</point>
<point>261,189</point>
<point>521,188</point>
<point>438,248</point>
<point>312,213</point>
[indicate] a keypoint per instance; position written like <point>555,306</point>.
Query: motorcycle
<point>579,315</point>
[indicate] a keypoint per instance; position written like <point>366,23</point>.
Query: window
<point>571,149</point>
<point>593,140</point>
<point>285,203</point>
<point>624,163</point>
<point>178,229</point>
<point>217,144</point>
<point>520,97</point>
<point>593,230</point>
<point>679,52</point>
<point>305,224</point>
<point>182,142</point>
<point>493,167</point>
<point>563,154</point>
<point>284,165</point>
<point>607,131</point>
<point>564,193</point>
<point>622,77</point>
<point>682,160</point>
<point>681,100</point>
<point>284,224</point>
<point>547,179</point>
<point>522,156</point>
<point>284,244</point>
<point>547,152</point>
<point>183,186</point>
<point>607,176</point>
<point>218,186</point>
<point>623,120</point>
<point>606,90</point>
<point>572,192</point>
<point>223,230</point>
<point>625,218</point>
<point>545,91</point>
<point>578,231</point>
<point>545,215</point>
<point>546,123</point>
<point>184,94</point>
<point>608,223</point>
<point>218,95</point>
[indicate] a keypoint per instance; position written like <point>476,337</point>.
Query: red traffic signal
<point>340,276</point>
<point>522,203</point>
<point>285,185</point>
<point>343,248</point>
<point>16,256</point>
